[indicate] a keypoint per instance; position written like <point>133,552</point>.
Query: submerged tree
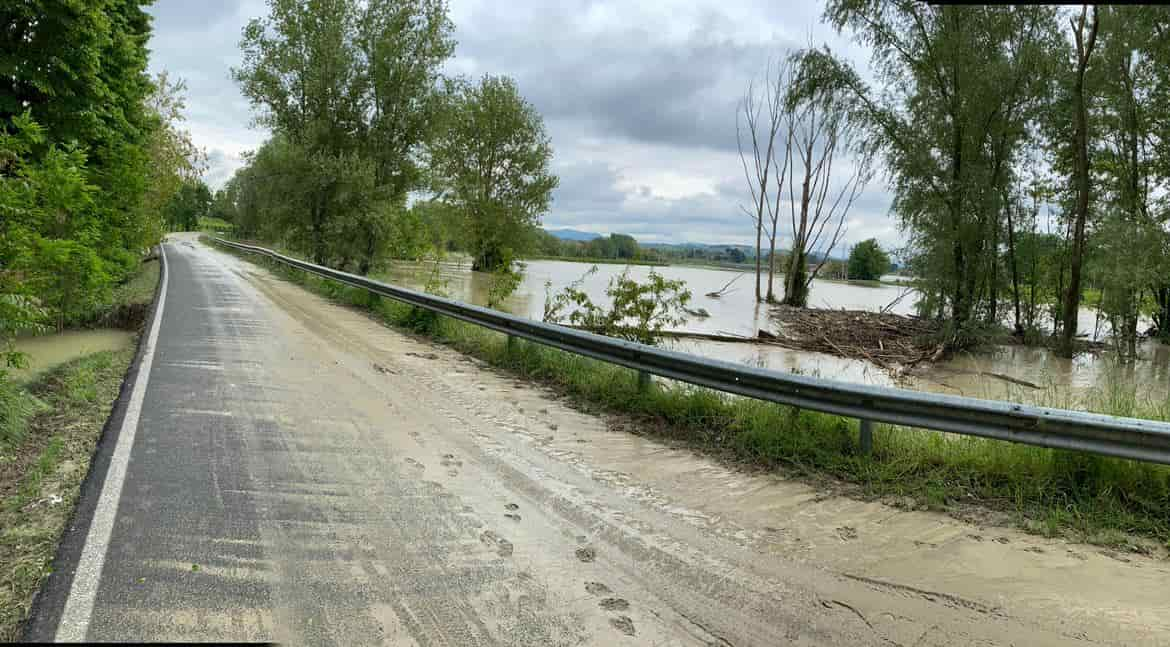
<point>957,83</point>
<point>868,261</point>
<point>492,164</point>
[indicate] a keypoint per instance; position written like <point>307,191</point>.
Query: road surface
<point>290,470</point>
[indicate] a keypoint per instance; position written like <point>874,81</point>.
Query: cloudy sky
<point>639,99</point>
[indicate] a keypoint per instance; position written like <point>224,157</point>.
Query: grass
<point>215,225</point>
<point>1053,492</point>
<point>49,429</point>
<point>41,474</point>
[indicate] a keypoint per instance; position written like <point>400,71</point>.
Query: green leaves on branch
<point>637,311</point>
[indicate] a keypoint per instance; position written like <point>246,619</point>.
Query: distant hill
<point>573,234</point>
<point>749,250</point>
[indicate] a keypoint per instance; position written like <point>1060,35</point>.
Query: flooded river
<point>1063,382</point>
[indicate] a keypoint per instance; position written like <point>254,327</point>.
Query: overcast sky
<point>639,99</point>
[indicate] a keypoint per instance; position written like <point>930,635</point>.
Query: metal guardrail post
<point>866,436</point>
<point>643,381</point>
<point>511,344</point>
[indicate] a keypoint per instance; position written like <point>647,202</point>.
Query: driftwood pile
<point>893,342</point>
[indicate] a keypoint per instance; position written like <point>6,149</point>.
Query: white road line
<point>79,605</point>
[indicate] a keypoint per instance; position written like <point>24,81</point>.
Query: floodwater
<point>1005,372</point>
<point>46,351</point>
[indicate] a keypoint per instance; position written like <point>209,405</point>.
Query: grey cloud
<point>630,93</point>
<point>628,82</point>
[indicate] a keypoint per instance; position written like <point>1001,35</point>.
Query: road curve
<point>301,474</point>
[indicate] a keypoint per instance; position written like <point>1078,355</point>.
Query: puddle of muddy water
<point>46,351</point>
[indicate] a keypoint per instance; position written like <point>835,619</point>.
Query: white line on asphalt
<point>79,605</point>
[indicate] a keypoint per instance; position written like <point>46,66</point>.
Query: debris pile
<point>893,342</point>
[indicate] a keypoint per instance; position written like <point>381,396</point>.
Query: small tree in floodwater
<point>639,312</point>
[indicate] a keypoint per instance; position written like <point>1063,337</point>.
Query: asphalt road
<point>294,472</point>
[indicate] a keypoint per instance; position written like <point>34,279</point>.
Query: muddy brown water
<point>46,351</point>
<point>1067,383</point>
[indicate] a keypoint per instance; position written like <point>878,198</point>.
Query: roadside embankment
<point>1118,503</point>
<point>50,426</point>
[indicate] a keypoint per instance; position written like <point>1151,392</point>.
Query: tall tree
<point>492,163</point>
<point>759,119</point>
<point>950,77</point>
<point>822,134</point>
<point>1084,31</point>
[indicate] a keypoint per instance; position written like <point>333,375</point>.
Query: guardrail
<point>1144,440</point>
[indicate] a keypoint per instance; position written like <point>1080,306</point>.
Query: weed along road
<point>287,469</point>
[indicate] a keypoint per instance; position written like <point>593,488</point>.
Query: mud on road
<point>402,493</point>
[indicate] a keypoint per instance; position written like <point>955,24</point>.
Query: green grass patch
<point>41,473</point>
<point>215,225</point>
<point>1052,492</point>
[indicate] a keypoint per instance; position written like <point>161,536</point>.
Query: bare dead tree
<point>761,114</point>
<point>821,134</point>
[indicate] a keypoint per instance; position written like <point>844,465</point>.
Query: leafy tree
<point>959,85</point>
<point>188,205</point>
<point>492,164</point>
<point>350,88</point>
<point>175,161</point>
<point>867,261</point>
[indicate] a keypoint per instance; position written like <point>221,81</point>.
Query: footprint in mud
<point>503,546</point>
<point>596,588</point>
<point>449,461</point>
<point>552,426</point>
<point>586,554</point>
<point>511,506</point>
<point>415,464</point>
<point>847,533</point>
<point>423,355</point>
<point>545,411</point>
<point>614,604</point>
<point>623,624</point>
<point>512,515</point>
<point>452,473</point>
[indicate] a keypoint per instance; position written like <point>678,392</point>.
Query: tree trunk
<point>1162,312</point>
<point>759,234</point>
<point>771,263</point>
<point>993,297</point>
<point>1019,327</point>
<point>1072,299</point>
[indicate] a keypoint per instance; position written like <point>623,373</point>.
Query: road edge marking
<point>74,622</point>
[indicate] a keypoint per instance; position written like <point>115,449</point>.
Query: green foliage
<point>349,90</point>
<point>492,165</point>
<point>78,122</point>
<point>504,282</point>
<point>189,204</point>
<point>867,261</point>
<point>637,311</point>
